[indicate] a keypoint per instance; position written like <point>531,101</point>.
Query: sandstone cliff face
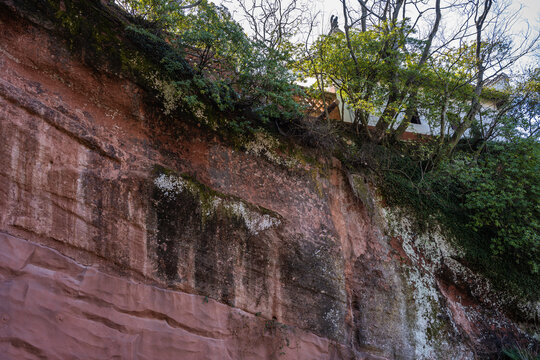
<point>123,237</point>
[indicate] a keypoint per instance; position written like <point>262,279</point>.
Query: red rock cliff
<point>122,237</point>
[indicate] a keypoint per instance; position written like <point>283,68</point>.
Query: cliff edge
<point>125,235</point>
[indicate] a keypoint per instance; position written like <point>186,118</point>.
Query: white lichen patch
<point>426,299</point>
<point>333,318</point>
<point>433,328</point>
<point>266,146</point>
<point>169,184</point>
<point>168,93</point>
<point>255,221</point>
<point>432,242</point>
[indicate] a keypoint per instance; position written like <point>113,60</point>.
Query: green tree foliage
<point>490,201</point>
<point>162,12</point>
<point>388,68</point>
<point>371,73</point>
<point>380,69</point>
<point>488,193</point>
<point>502,198</point>
<point>523,116</point>
<point>375,68</point>
<point>237,73</point>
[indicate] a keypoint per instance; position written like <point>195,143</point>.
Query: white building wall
<point>347,115</point>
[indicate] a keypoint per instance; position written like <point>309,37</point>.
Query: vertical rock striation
<point>122,237</point>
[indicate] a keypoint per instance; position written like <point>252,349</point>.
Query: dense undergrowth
<point>488,202</point>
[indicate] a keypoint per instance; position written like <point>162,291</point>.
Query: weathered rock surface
<point>53,307</point>
<point>123,237</point>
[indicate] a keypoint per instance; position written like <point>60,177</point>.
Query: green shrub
<point>503,201</point>
<point>247,81</point>
<point>490,204</point>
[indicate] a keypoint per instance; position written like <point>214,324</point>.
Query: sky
<point>530,12</point>
<point>528,16</point>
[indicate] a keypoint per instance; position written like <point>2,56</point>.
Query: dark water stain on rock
<point>311,274</point>
<point>203,236</point>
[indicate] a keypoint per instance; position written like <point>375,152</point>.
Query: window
<point>415,119</point>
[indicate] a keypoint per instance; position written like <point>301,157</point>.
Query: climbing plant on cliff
<point>489,201</point>
<point>486,195</point>
<point>503,201</point>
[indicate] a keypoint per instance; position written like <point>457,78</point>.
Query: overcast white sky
<point>528,16</point>
<point>530,11</point>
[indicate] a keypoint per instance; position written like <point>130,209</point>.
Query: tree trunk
<point>475,103</point>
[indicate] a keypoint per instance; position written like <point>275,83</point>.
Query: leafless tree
<point>272,22</point>
<point>495,52</point>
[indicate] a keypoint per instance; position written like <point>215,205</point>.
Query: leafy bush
<point>503,201</point>
<point>491,204</point>
<point>237,74</point>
